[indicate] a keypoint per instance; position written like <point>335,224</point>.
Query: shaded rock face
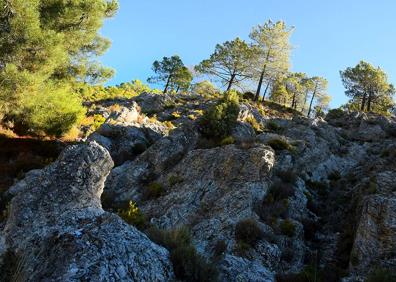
<point>127,133</point>
<point>126,182</point>
<point>59,232</point>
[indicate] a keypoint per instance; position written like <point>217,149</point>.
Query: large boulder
<point>58,230</point>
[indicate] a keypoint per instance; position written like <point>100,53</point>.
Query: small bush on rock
<point>175,179</point>
<point>220,248</point>
<point>153,191</point>
<point>248,231</point>
<point>132,215</point>
<point>253,122</point>
<point>288,176</point>
<point>188,265</point>
<point>287,228</point>
<point>273,126</point>
<point>227,141</point>
<point>279,145</point>
<point>335,113</point>
<point>219,120</point>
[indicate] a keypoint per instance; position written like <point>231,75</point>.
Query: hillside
<point>283,198</point>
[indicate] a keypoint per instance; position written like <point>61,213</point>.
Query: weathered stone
<point>59,232</point>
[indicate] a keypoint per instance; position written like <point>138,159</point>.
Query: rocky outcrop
<point>127,133</point>
<point>59,232</point>
<point>126,182</point>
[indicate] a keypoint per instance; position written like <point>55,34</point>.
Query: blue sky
<point>329,35</point>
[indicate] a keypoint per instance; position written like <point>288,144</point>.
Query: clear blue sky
<point>330,35</point>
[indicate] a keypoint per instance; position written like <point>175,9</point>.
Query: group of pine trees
<point>48,66</point>
<point>263,63</point>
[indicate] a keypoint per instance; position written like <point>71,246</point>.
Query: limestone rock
<point>59,232</point>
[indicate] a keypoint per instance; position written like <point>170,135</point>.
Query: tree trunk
<point>230,82</point>
<point>363,102</point>
<point>260,84</point>
<point>312,99</point>
<point>167,84</point>
<point>262,77</point>
<point>265,92</point>
<point>369,101</point>
<point>177,89</point>
<point>293,100</point>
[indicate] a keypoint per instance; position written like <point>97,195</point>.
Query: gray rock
<point>127,133</point>
<point>125,182</point>
<point>59,232</point>
<point>375,240</point>
<point>222,189</point>
<point>242,270</point>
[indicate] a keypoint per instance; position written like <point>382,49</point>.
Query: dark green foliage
<point>175,179</point>
<point>275,204</point>
<point>248,232</point>
<point>227,141</point>
<point>273,126</point>
<point>172,72</point>
<point>188,265</point>
<point>242,249</point>
<point>281,190</point>
<point>132,215</point>
<point>288,176</point>
<point>47,53</point>
<point>287,228</point>
<point>335,114</point>
<point>334,176</point>
<point>219,120</point>
<point>220,248</point>
<point>319,187</point>
<point>153,191</point>
<point>248,96</point>
<point>279,145</point>
<point>381,275</point>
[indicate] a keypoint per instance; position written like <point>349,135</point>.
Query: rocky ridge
<point>320,193</point>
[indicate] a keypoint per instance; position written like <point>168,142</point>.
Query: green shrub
<point>381,275</point>
<point>287,228</point>
<point>335,113</point>
<point>249,96</point>
<point>132,215</point>
<point>279,144</point>
<point>248,232</point>
<point>242,249</point>
<point>254,123</point>
<point>288,176</point>
<point>153,191</point>
<point>273,126</point>
<point>219,120</point>
<point>175,179</point>
<point>334,175</point>
<point>188,265</point>
<point>227,141</point>
<point>220,248</point>
<point>280,190</point>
